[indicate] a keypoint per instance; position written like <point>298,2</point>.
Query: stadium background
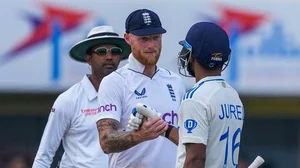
<point>35,67</point>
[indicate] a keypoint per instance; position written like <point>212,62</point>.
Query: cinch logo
<point>141,94</point>
<point>108,107</point>
<point>87,112</point>
<point>171,118</point>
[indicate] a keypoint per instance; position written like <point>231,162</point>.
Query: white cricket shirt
<point>73,120</point>
<point>120,91</point>
<point>211,113</point>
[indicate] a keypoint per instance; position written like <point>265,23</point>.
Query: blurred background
<point>265,64</point>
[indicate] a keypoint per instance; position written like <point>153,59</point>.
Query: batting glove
<point>135,120</point>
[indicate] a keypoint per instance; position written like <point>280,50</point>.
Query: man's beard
<point>190,69</point>
<point>147,60</point>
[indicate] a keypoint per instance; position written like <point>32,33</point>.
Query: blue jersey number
<point>234,145</point>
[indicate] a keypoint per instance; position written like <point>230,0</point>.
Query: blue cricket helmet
<point>208,43</point>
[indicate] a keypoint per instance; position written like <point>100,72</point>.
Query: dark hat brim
<point>79,50</point>
<point>148,31</point>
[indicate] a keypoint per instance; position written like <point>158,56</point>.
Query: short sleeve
<point>194,125</point>
<point>110,96</point>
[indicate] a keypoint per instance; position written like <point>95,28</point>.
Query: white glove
<point>136,118</point>
<point>135,121</point>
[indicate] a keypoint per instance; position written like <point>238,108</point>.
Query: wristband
<point>168,131</point>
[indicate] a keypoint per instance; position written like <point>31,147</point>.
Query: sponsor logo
<point>141,94</point>
<point>171,118</point>
<point>189,125</point>
<point>216,57</point>
<point>90,111</point>
<point>107,108</point>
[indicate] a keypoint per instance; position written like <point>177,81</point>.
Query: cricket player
<point>211,114</point>
<point>73,115</point>
<point>140,81</point>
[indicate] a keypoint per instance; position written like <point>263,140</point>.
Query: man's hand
<point>135,121</point>
<point>151,129</point>
<point>137,116</point>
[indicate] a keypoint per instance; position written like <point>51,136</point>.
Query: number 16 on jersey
<point>232,147</point>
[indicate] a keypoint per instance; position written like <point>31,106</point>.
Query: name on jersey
<point>107,108</point>
<point>230,111</point>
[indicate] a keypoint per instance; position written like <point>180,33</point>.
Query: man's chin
<point>150,60</point>
<point>108,71</point>
<point>150,63</point>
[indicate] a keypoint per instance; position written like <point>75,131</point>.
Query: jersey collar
<point>210,78</point>
<point>135,64</point>
<point>88,88</point>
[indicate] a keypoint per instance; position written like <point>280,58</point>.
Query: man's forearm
<point>194,164</point>
<point>173,135</point>
<point>195,155</point>
<point>112,140</point>
<point>116,141</point>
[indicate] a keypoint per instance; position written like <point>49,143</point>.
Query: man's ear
<point>191,59</point>
<point>88,59</point>
<point>127,38</point>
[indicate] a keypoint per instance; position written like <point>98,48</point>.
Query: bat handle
<point>134,111</point>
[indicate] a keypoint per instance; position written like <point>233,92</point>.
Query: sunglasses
<point>102,51</point>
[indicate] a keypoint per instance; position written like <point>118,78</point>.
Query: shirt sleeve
<point>58,122</point>
<point>194,124</point>
<point>110,96</point>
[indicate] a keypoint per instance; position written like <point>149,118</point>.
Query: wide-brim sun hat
<point>99,35</point>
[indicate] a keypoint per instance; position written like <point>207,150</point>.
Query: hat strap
<point>103,34</point>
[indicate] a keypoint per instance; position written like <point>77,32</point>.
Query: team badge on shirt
<point>171,91</point>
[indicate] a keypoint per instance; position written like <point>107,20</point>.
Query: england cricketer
<point>140,81</point>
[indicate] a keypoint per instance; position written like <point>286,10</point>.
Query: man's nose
<point>151,43</point>
<point>108,55</point>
